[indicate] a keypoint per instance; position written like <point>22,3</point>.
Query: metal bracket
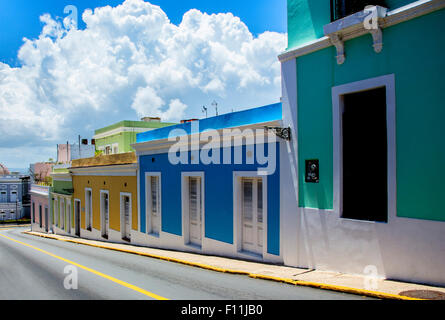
<point>283,133</point>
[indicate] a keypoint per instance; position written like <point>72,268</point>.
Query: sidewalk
<point>354,284</point>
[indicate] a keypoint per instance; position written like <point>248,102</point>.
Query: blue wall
<point>218,183</point>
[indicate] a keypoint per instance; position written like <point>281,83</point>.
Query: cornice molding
<point>394,17</point>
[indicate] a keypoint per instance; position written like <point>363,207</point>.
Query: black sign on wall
<point>313,171</point>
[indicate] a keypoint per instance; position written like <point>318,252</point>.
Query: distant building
<point>68,152</point>
<point>40,207</point>
<point>14,195</point>
<point>119,137</point>
<point>61,199</point>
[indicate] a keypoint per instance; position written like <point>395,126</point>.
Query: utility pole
<point>204,110</point>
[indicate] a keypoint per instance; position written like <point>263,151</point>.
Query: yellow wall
<point>115,185</point>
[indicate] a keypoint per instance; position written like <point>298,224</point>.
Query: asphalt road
<point>34,268</point>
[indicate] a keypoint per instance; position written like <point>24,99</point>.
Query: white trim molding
<point>338,92</point>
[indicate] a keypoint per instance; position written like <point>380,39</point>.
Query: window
<point>115,148</point>
<point>343,8</point>
<point>3,196</point>
<point>108,150</point>
<point>13,196</point>
<point>153,196</point>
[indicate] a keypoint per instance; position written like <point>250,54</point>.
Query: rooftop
<point>264,114</point>
<point>134,124</point>
<point>105,160</point>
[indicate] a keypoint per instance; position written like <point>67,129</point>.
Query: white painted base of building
<point>209,247</point>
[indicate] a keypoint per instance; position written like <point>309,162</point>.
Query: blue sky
<point>128,62</point>
<point>20,18</point>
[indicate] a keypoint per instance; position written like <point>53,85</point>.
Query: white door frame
<point>148,219</point>
<point>104,228</point>
<point>185,206</point>
<point>88,210</point>
<point>237,209</point>
<point>338,92</point>
<point>122,214</point>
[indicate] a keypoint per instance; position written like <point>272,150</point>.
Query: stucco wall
<point>115,185</point>
<point>418,71</point>
<point>219,216</point>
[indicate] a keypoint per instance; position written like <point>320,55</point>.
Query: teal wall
<point>413,51</point>
<point>306,19</point>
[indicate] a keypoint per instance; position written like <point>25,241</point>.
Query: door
<point>88,209</point>
<point>46,220</point>
<point>154,205</point>
<point>77,217</point>
<point>195,210</point>
<point>126,215</point>
<point>40,217</point>
<point>69,217</point>
<point>105,215</point>
<point>252,215</point>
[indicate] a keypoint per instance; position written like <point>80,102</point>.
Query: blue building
<point>213,185</point>
<point>14,195</point>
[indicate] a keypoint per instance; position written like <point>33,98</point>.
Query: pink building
<point>40,208</point>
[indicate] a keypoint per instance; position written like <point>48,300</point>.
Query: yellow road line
<point>122,283</point>
<point>356,291</point>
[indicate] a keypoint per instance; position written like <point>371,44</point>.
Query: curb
<point>361,292</point>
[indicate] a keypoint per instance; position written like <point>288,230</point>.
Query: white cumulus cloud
<point>129,62</point>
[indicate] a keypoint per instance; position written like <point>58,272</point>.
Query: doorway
<point>77,206</point>
<point>252,205</point>
<point>365,155</point>
<point>126,216</point>
<point>104,209</point>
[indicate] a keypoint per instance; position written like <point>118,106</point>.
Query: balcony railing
<point>343,8</point>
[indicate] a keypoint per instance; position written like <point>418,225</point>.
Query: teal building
<point>363,93</point>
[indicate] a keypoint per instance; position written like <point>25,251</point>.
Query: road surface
<point>34,268</point>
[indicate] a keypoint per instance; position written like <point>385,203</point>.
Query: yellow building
<point>105,197</point>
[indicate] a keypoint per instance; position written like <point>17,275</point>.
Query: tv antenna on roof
<point>215,104</point>
<point>204,110</point>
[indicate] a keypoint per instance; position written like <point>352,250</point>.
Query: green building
<point>363,93</point>
<point>119,137</point>
<point>61,200</point>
